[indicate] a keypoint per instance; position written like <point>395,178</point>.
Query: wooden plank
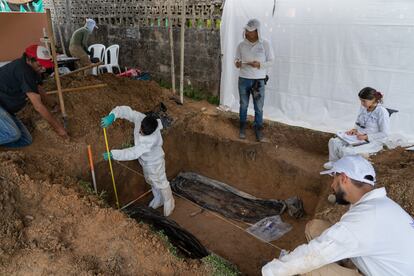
<point>78,88</point>
<point>82,69</point>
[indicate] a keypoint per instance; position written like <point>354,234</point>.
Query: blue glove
<point>105,155</point>
<point>108,120</point>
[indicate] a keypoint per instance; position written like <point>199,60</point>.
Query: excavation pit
<point>264,170</point>
<point>53,225</point>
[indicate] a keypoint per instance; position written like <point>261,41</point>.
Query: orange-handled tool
<point>92,168</point>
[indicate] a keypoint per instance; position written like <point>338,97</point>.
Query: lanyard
<point>367,118</point>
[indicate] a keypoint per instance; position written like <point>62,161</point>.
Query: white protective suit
<point>260,51</point>
<point>376,234</point>
<point>148,150</point>
<point>377,127</point>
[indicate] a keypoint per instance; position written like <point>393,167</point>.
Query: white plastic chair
<point>98,51</point>
<point>111,59</point>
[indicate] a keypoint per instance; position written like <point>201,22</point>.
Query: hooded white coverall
<point>375,124</point>
<point>376,234</point>
<point>148,150</point>
<point>260,50</point>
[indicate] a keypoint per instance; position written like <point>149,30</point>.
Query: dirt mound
<point>11,220</point>
<point>49,224</point>
<point>85,109</point>
<point>50,229</point>
<point>395,171</point>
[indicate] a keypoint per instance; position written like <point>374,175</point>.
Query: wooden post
<point>57,79</point>
<point>182,52</point>
<point>170,31</point>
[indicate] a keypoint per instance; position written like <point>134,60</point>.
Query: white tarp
<point>326,51</point>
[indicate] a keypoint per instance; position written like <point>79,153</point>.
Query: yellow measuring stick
<point>110,167</point>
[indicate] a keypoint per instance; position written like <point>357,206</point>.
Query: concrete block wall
<point>145,45</point>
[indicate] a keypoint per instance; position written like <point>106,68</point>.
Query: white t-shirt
<point>376,233</point>
<point>260,51</point>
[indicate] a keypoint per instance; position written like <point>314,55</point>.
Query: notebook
<point>350,139</point>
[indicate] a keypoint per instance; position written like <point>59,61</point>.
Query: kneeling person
<point>20,80</point>
<point>148,150</point>
<point>376,233</point>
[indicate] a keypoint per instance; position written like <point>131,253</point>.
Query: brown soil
<point>51,226</point>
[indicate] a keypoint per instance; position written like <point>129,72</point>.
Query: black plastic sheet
<point>183,240</point>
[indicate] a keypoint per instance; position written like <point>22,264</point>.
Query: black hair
<point>149,124</point>
<point>369,93</point>
<point>26,57</point>
<point>360,184</point>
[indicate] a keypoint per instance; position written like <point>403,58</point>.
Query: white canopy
<point>326,51</point>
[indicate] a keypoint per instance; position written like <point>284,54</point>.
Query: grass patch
<point>164,84</point>
<point>198,95</point>
<point>213,100</point>
<point>88,188</point>
<point>193,93</point>
<point>171,248</point>
<point>219,266</point>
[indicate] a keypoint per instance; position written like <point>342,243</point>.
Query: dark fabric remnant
<point>225,201</point>
<point>183,240</point>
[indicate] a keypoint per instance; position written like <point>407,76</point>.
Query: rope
<point>135,200</point>
<point>228,221</point>
<point>132,170</point>
<point>186,199</point>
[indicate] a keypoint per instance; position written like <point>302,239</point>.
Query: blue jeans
<point>244,92</point>
<point>13,133</point>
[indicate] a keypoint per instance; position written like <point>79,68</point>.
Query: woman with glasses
<point>372,127</point>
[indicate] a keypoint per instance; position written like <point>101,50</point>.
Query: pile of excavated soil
<point>47,228</point>
<point>395,171</point>
<point>49,225</point>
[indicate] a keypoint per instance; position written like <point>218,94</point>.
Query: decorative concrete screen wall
<point>141,30</point>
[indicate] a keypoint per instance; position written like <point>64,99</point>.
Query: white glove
<point>157,201</point>
<point>169,203</point>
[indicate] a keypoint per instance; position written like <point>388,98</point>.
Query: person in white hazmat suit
<point>148,150</point>
<point>372,125</point>
<point>376,233</point>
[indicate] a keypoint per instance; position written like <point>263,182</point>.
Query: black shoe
<point>242,134</point>
<point>259,135</point>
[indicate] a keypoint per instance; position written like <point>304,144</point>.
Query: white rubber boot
<point>169,203</point>
<point>328,165</point>
<point>157,201</point>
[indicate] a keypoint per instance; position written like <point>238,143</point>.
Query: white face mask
<point>90,27</point>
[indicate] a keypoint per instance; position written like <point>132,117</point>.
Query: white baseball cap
<point>355,167</point>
